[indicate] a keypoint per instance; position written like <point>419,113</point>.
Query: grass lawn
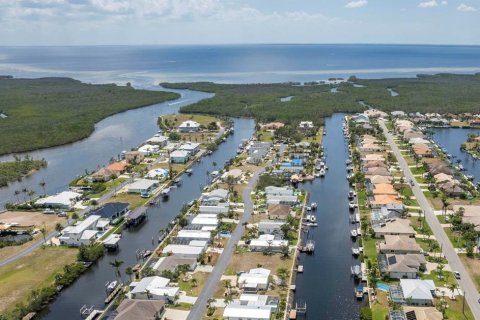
<point>265,136</point>
<point>133,199</point>
<point>473,268</point>
<point>448,278</point>
<point>23,275</point>
<point>454,310</point>
<point>455,238</point>
<point>108,186</point>
<point>380,306</point>
<point>249,260</point>
<point>177,119</point>
<point>187,285</point>
<point>370,249</point>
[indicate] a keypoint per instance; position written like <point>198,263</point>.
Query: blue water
<point>383,286</point>
<point>237,63</point>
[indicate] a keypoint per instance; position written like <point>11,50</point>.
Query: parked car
<point>456,274</point>
<point>62,214</point>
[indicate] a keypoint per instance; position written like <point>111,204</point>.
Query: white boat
<point>165,192</point>
<point>470,177</point>
<point>353,233</point>
<point>309,208</point>
<point>214,173</point>
<point>351,194</point>
<point>460,167</point>
<point>316,174</point>
<point>352,205</point>
<point>310,218</point>
<point>189,172</point>
<point>355,251</point>
<point>356,271</point>
<point>313,205</point>
<point>322,172</point>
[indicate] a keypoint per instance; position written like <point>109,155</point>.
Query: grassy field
<point>438,93</point>
<point>48,112</point>
<point>473,268</point>
<point>249,260</point>
<point>31,271</point>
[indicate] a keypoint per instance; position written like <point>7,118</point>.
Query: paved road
<point>200,306</point>
<point>466,283</point>
<point>37,244</point>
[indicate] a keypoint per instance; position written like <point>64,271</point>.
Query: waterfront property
<point>112,211</point>
<point>179,156</point>
<point>254,280</point>
<point>189,126</point>
<point>139,309</point>
<point>63,200</point>
<point>152,288</point>
<point>142,186</point>
<point>414,292</point>
<point>84,232</point>
<point>267,242</point>
<point>172,262</point>
<point>402,266</point>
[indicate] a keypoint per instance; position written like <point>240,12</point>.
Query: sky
<point>156,22</point>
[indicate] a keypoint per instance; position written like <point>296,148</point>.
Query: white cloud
<point>464,8</point>
<point>356,4</point>
<point>428,4</point>
<point>444,3</point>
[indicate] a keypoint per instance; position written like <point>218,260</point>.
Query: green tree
<point>117,264</point>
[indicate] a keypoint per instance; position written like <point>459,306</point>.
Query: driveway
<point>466,283</point>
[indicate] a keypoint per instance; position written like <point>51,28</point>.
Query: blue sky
<point>77,22</point>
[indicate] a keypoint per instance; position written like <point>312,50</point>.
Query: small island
<point>472,145</point>
<point>15,170</point>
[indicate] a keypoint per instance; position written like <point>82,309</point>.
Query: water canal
<point>451,139</point>
<point>326,285</point>
<point>90,288</point>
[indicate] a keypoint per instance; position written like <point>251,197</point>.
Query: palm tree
<point>24,191</point>
<point>445,205</point>
<point>194,282</point>
<point>117,264</point>
<point>42,185</point>
<point>30,194</point>
<point>129,272</point>
<point>452,288</point>
<point>58,227</point>
<point>228,285</point>
<point>148,294</point>
<point>209,303</point>
<point>43,231</point>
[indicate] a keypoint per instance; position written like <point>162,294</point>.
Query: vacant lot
<point>249,260</point>
<point>36,219</point>
<point>31,271</point>
<point>473,268</point>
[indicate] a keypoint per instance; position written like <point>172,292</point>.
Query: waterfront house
<point>219,208</point>
<point>189,126</point>
<point>306,126</point>
<point>452,188</point>
<point>232,175</point>
<point>62,200</point>
<point>283,191</point>
<point>282,199</point>
<point>159,140</point>
<point>189,235</point>
<point>375,113</point>
<point>83,232</point>
<point>379,179</point>
<point>270,227</point>
<point>149,149</point>
<point>379,200</point>
<point>214,197</point>
<point>360,118</point>
<point>412,134</point>
<point>422,150</point>
<point>278,211</point>
<point>140,309</point>
<point>471,214</point>
<point>402,266</point>
<point>398,114</point>
<point>377,171</point>
<point>384,213</point>
<point>240,312</point>
<point>117,167</point>
<point>375,164</point>
<point>142,186</point>
<point>103,175</point>
<point>395,227</point>
<point>267,242</point>
<point>157,173</point>
<point>373,157</point>
<point>254,280</point>
<point>111,211</point>
<point>171,263</point>
<point>422,313</point>
<point>179,156</point>
<point>191,147</point>
<point>417,292</point>
<point>182,250</point>
<point>152,288</point>
<point>134,157</point>
<point>204,220</point>
<point>399,244</point>
<point>272,126</point>
<point>442,178</point>
<point>383,188</point>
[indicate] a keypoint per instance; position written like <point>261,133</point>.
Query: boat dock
<point>114,293</point>
<point>309,247</point>
<point>300,269</point>
<point>111,242</point>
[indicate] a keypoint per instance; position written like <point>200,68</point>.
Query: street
<point>466,283</point>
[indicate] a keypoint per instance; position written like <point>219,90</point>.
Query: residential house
<point>283,191</point>
<point>62,200</point>
<point>234,175</point>
<point>134,157</point>
<point>279,211</point>
<point>395,227</point>
<point>189,126</point>
<point>181,250</point>
<point>215,197</point>
<point>240,312</point>
<point>142,186</point>
<point>159,140</point>
<point>254,280</point>
<point>272,126</point>
<point>179,156</point>
<point>172,262</point>
<point>152,288</point>
<point>194,235</point>
<point>377,171</point>
<point>402,266</point>
<point>111,211</point>
<point>380,200</point>
<point>379,179</point>
<point>140,309</point>
<point>306,126</point>
<point>417,292</point>
<point>267,242</point>
<point>399,244</point>
<point>452,188</point>
<point>84,232</point>
<point>157,173</point>
<point>422,313</point>
<point>471,214</point>
<point>383,188</point>
<point>191,147</point>
<point>103,175</point>
<point>204,220</point>
<point>270,227</point>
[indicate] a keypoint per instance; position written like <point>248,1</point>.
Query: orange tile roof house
<point>384,199</point>
<point>118,167</point>
<point>384,188</point>
<point>103,175</point>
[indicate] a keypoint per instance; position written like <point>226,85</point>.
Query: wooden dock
<point>300,269</point>
<point>113,294</point>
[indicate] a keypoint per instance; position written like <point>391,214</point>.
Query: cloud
<point>428,4</point>
<point>444,3</point>
<point>356,4</point>
<point>464,8</point>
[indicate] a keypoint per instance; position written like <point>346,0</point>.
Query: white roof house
<point>269,226</point>
<point>194,235</point>
<point>254,280</point>
<point>158,172</point>
<point>158,139</point>
<point>82,233</point>
<point>267,241</point>
<point>306,124</point>
<point>149,149</point>
<point>219,208</point>
<point>281,199</point>
<point>214,197</point>
<point>65,199</point>
<point>179,156</point>
<point>189,126</point>
<point>190,147</point>
<point>234,174</point>
<point>279,191</point>
<point>158,289</point>
<point>418,291</point>
<point>418,141</point>
<point>142,185</point>
<point>237,312</point>
<point>205,220</point>
<point>183,250</point>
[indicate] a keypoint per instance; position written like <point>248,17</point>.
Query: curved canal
<point>451,139</point>
<point>326,285</point>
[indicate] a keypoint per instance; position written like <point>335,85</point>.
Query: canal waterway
<point>122,131</point>
<point>326,285</point>
<point>451,139</point>
<point>90,288</point>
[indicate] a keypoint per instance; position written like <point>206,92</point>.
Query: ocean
<point>236,63</point>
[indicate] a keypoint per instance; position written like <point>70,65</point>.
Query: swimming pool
<point>383,287</point>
